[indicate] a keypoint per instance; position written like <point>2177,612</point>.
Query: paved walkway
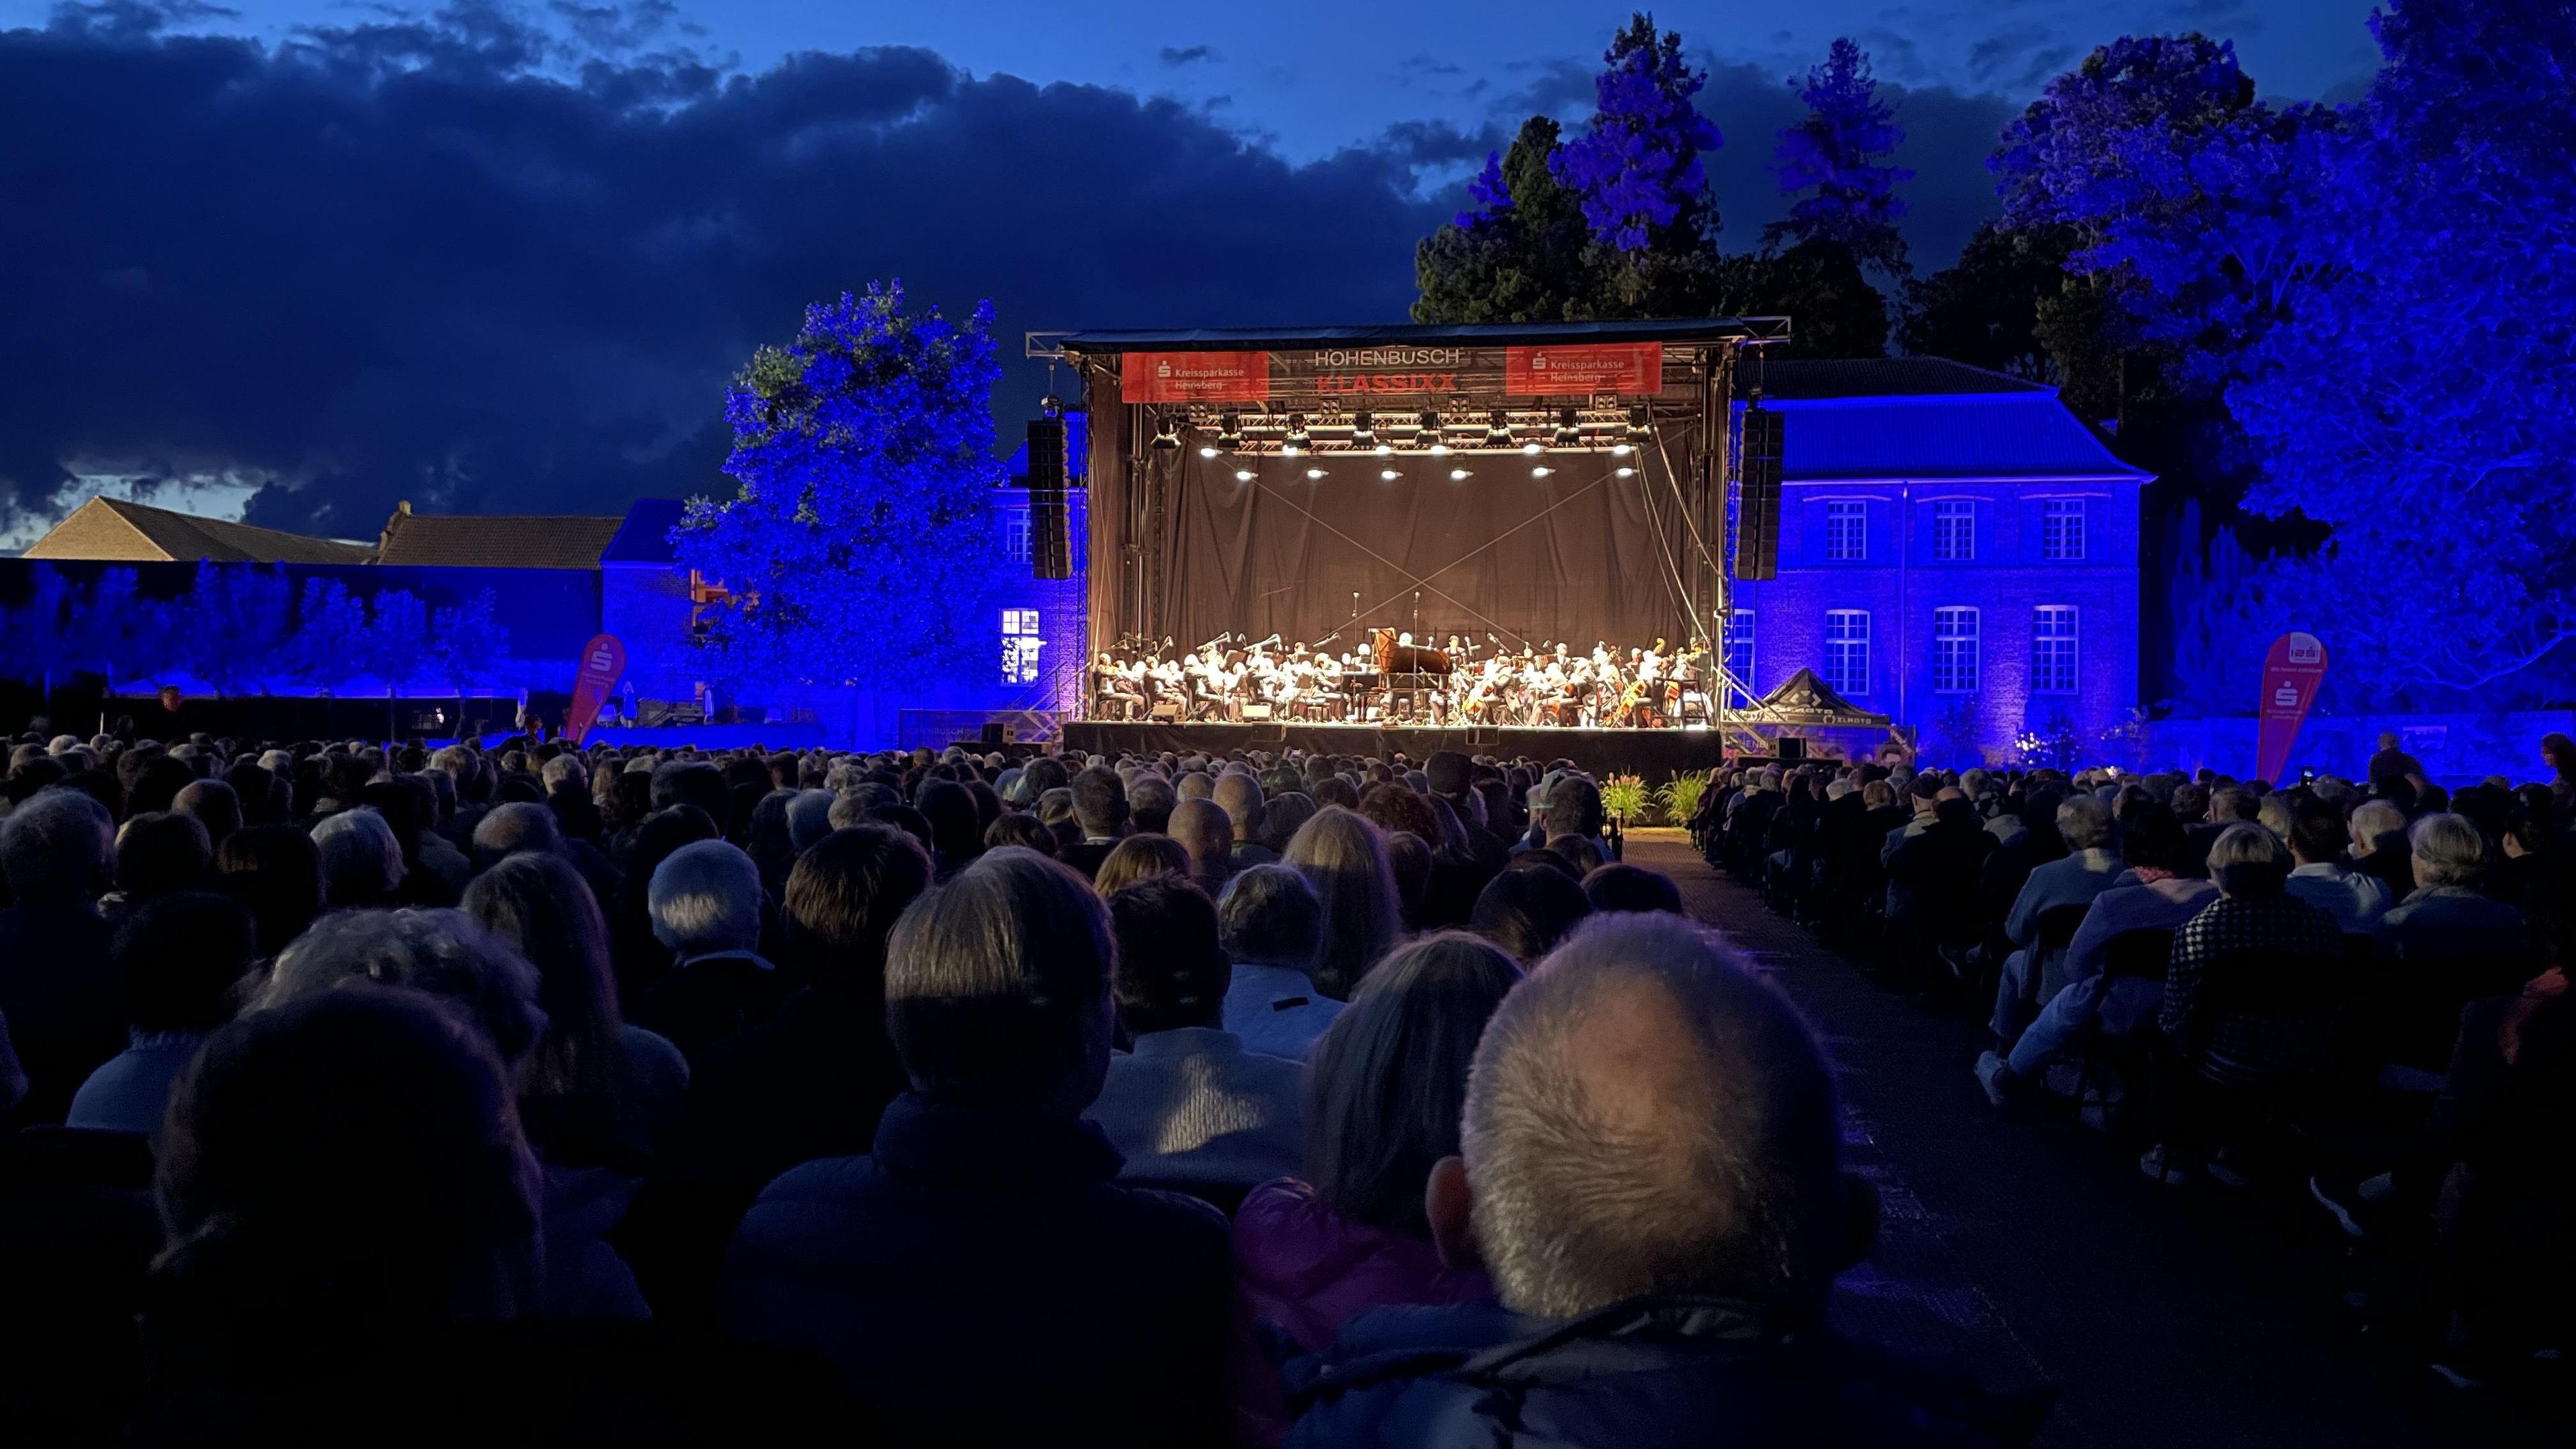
<point>2037,1253</point>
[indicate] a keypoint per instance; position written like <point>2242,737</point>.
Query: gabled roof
<point>1923,419</point>
<point>117,528</point>
<point>518,541</point>
<point>644,537</point>
<point>1462,334</point>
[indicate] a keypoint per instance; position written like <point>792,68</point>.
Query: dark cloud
<point>1190,55</point>
<point>1429,144</point>
<point>434,260</point>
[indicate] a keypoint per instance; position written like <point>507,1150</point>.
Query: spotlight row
<point>1456,475</point>
<point>1431,433</point>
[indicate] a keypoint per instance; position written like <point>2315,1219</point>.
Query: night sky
<point>297,259</point>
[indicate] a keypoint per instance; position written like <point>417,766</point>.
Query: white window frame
<point>1954,530</point>
<point>2063,524</point>
<point>1955,665</point>
<point>2045,642</point>
<point>1847,530</point>
<point>1023,640</point>
<point>1019,535</point>
<point>1846,646</point>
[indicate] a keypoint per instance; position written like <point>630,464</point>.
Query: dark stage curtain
<point>1575,556</point>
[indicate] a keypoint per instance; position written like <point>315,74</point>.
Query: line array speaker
<point>1050,547</point>
<point>1757,512</point>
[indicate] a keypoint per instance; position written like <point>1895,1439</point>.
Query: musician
<point>1117,688</point>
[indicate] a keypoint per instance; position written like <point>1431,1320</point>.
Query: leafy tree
<point>1839,154</point>
<point>235,625</point>
<point>468,644</point>
<point>1521,255</point>
<point>1984,308</point>
<point>2417,395</point>
<point>332,634</point>
<point>858,550</point>
<point>1819,286</point>
<point>1636,173</point>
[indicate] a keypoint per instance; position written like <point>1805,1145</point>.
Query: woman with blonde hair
<point>1343,856</point>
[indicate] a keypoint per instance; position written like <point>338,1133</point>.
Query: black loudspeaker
<point>993,734</point>
<point>1050,549</point>
<point>1757,511</point>
<point>1792,749</point>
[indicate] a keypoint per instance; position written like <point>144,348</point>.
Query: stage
<point>1654,754</point>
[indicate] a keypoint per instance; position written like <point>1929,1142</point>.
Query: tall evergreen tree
<point>1637,174</point>
<point>1839,154</point>
<point>1521,254</point>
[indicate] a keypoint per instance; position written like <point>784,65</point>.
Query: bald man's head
<point>1646,1115</point>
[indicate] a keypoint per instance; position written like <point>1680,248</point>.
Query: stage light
<point>1242,475</point>
<point>1498,430</point>
<point>1167,436</point>
<point>1440,450</point>
<point>1568,434</point>
<point>1363,430</point>
<point>1620,450</point>
<point>1541,472</point>
<point>1533,449</point>
<point>1314,472</point>
<point>1389,474</point>
<point>1229,432</point>
<point>1627,472</point>
<point>1298,439</point>
<point>1383,449</point>
<point>1207,450</point>
<point>1641,423</point>
<point>1457,475</point>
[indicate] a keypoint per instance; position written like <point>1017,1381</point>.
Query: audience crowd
<point>384,1093</point>
<point>2351,996</point>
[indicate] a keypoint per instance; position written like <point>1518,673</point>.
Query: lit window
<point>2062,533</point>
<point>1015,534</point>
<point>1739,653</point>
<point>1954,651</point>
<point>1847,531</point>
<point>2052,650</point>
<point>1020,645</point>
<point>1954,531</point>
<point>1847,651</point>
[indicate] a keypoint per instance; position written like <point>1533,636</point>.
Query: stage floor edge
<point>1654,754</point>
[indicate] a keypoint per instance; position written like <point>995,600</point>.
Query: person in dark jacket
<point>57,991</point>
<point>980,1276</point>
<point>1660,1269</point>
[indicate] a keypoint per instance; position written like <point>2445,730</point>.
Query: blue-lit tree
<point>2419,397</point>
<point>1636,176</point>
<point>858,550</point>
<point>1838,156</point>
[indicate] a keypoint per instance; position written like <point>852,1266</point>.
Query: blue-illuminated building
<point>1957,552</point>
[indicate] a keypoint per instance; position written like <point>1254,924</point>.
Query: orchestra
<point>1387,678</point>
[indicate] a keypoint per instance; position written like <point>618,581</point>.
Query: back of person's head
<point>1171,970</point>
<point>1204,830</point>
<point>705,897</point>
<point>809,818</point>
<point>2248,860</point>
<point>1581,853</point>
<point>56,847</point>
<point>1526,910</point>
<point>1573,807</point>
<point>1647,1115</point>
<point>509,829</point>
<point>1269,916</point>
<point>1239,796</point>
<point>1282,816</point>
<point>540,907</point>
<point>442,952</point>
<point>997,986</point>
<point>1140,857</point>
<point>362,863</point>
<point>338,1171</point>
<point>179,958</point>
<point>1150,802</point>
<point>2152,838</point>
<point>843,899</point>
<point>1024,831</point>
<point>1409,856</point>
<point>955,831</point>
<point>1343,857</point>
<point>1099,803</point>
<point>157,782</point>
<point>690,782</point>
<point>276,871</point>
<point>2084,823</point>
<point>1397,810</point>
<point>1389,1077</point>
<point>2448,851</point>
<point>212,804</point>
<point>1447,774</point>
<point>1620,886</point>
<point>161,852</point>
<point>2317,830</point>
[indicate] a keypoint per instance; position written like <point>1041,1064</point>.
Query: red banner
<point>2291,674</point>
<point>1186,377</point>
<point>1634,369</point>
<point>602,660</point>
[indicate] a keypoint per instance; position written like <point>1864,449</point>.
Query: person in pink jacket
<point>1383,1097</point>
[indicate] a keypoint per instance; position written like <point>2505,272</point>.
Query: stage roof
<point>1673,330</point>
